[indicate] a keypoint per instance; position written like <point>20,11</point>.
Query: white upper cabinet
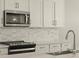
<point>21,5</point>
<point>1,12</point>
<point>48,13</point>
<point>60,12</point>
<point>36,14</point>
<point>54,13</point>
<point>43,13</point>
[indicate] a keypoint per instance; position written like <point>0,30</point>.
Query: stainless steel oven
<point>16,18</point>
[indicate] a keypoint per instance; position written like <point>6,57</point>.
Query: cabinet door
<point>48,13</point>
<point>36,13</point>
<point>59,12</point>
<point>65,47</point>
<point>21,5</point>
<point>1,12</point>
<point>54,13</point>
<point>11,4</point>
<point>3,51</point>
<point>24,5</point>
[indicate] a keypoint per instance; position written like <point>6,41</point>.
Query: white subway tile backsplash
<point>33,35</point>
<point>44,35</point>
<point>13,34</point>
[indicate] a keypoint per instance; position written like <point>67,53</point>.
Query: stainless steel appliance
<point>16,18</point>
<point>16,47</point>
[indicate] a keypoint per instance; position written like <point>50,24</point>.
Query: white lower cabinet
<point>55,48</point>
<point>4,51</point>
<point>42,48</point>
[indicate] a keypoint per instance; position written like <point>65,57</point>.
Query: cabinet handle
<point>28,19</point>
<point>16,5</point>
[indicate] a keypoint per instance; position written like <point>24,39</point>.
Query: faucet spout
<point>74,42</point>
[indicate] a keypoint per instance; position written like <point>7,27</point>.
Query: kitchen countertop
<point>3,46</point>
<point>43,55</point>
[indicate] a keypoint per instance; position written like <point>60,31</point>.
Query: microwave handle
<point>28,19</point>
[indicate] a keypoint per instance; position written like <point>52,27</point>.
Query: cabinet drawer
<point>55,48</point>
<point>3,51</point>
<point>42,48</point>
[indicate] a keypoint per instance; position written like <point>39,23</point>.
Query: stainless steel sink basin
<point>61,53</point>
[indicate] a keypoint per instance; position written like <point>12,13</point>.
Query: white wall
<point>72,20</point>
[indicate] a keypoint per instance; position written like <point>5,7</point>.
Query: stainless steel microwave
<point>16,18</point>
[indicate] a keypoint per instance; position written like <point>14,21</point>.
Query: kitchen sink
<point>60,53</point>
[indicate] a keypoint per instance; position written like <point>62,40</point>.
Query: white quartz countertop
<point>35,55</point>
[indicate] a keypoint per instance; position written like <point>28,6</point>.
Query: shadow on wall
<point>72,20</point>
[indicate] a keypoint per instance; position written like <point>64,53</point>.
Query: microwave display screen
<point>13,18</point>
